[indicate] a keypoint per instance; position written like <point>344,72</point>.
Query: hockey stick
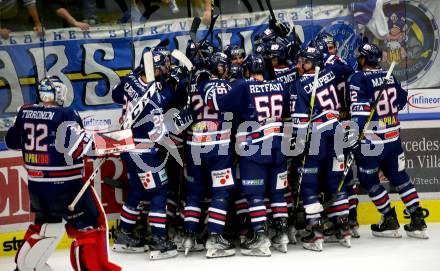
<point>184,60</point>
<point>309,131</point>
<point>132,117</point>
<point>260,5</point>
<point>361,136</point>
<point>194,27</point>
<point>269,6</point>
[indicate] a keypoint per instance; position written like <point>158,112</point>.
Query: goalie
<point>54,179</point>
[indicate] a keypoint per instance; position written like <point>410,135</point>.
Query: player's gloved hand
<point>183,119</point>
<point>177,121</point>
<point>177,74</point>
<point>280,28</point>
<point>202,75</point>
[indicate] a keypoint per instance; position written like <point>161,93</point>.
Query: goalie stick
<point>131,118</point>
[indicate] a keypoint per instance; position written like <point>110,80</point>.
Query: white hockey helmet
<point>52,89</point>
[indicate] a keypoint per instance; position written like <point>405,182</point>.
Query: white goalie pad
<point>38,247</point>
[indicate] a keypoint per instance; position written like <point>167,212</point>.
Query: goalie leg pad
<point>89,250</point>
<point>40,241</point>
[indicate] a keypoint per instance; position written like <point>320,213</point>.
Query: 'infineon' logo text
<point>420,101</point>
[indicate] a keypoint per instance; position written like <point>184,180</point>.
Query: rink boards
<point>419,140</point>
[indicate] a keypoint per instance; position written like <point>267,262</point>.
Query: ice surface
<point>367,253</point>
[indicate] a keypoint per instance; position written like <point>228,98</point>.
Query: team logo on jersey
<point>412,41</point>
<point>345,38</point>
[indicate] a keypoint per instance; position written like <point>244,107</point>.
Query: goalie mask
<point>52,89</point>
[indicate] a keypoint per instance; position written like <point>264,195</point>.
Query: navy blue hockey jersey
<point>208,127</point>
<point>327,100</point>
<point>149,124</point>
<point>288,75</point>
<point>264,103</point>
<point>35,134</point>
<point>364,87</point>
<point>335,63</point>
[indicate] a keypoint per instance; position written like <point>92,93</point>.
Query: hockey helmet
<point>371,52</point>
<point>314,55</point>
<point>219,60</point>
<point>254,63</point>
<point>52,89</point>
<point>275,48</point>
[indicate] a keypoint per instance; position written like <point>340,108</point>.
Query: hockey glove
<point>177,74</point>
<point>178,121</point>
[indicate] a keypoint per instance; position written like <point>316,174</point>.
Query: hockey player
<point>236,54</point>
<point>209,171</point>
<point>260,106</point>
<point>54,179</point>
<point>329,40</point>
<point>326,44</point>
<point>322,162</point>
<point>178,80</point>
<point>147,180</point>
<point>276,52</point>
<point>365,86</point>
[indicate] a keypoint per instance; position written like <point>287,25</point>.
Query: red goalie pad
<point>89,251</point>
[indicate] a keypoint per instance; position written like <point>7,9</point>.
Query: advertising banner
<point>91,62</point>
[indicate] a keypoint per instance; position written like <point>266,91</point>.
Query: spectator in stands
<point>4,33</point>
<point>9,11</point>
<point>88,8</point>
<point>60,8</point>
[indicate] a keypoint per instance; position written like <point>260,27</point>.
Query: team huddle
<point>267,139</point>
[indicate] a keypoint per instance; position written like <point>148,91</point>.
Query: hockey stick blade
<point>211,27</point>
<point>163,43</point>
<point>148,66</point>
<point>182,58</point>
<point>194,28</point>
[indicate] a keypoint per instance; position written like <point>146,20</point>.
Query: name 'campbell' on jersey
<point>327,99</point>
<point>364,87</point>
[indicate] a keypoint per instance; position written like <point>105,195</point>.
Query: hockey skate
<point>281,239</point>
<point>291,233</point>
<point>329,231</point>
<point>354,227</point>
<point>315,239</point>
<point>126,242</point>
<point>217,246</point>
<point>190,243</point>
<point>417,227</point>
<point>259,245</point>
<point>343,233</point>
<point>161,248</point>
<point>388,226</point>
